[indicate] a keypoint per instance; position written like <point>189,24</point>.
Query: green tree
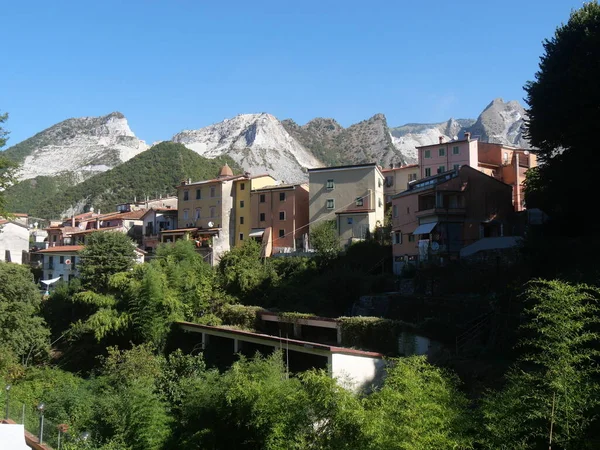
<point>22,329</point>
<point>562,116</point>
<point>419,407</point>
<point>242,271</point>
<point>7,169</point>
<point>556,373</point>
<point>105,254</point>
<point>325,240</point>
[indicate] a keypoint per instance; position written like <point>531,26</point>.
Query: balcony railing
<point>441,211</point>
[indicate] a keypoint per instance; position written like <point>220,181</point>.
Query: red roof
<point>62,249</point>
<point>355,210</point>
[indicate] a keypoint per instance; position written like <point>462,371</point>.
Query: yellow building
<point>243,187</point>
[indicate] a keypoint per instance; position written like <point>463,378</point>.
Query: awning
<point>425,228</point>
<point>257,232</point>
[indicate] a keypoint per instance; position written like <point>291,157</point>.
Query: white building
<point>14,240</point>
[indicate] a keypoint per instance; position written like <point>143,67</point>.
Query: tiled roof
<point>62,249</point>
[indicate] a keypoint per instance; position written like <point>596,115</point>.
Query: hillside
<point>154,172</point>
<point>81,146</point>
<point>366,141</point>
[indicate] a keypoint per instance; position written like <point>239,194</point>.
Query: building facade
<point>60,261</point>
<point>439,215</point>
<point>397,179</point>
<point>279,218</point>
<point>351,196</point>
<point>243,212</point>
<point>14,241</point>
<point>155,221</point>
<point>504,163</point>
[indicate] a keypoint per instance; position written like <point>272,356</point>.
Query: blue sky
<point>173,65</point>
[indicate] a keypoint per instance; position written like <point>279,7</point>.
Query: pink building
<point>397,179</point>
<point>502,162</point>
<point>279,217</point>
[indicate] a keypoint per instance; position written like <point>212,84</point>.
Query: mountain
<point>152,173</point>
<point>257,142</point>
<point>81,147</point>
<point>366,141</point>
<point>500,122</point>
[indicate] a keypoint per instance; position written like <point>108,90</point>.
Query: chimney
<point>467,135</point>
<point>441,138</point>
<point>73,220</point>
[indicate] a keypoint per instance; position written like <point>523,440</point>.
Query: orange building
<point>280,217</point>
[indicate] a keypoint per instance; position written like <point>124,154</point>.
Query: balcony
<point>439,211</point>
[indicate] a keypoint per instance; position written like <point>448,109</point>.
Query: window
<point>379,182</point>
<point>411,238</point>
<point>282,196</point>
<point>442,152</point>
<point>395,211</point>
<point>241,203</point>
<point>407,210</point>
<point>186,213</point>
<point>412,177</point>
<point>380,202</point>
<point>505,157</point>
<point>330,203</point>
<point>213,191</point>
<point>359,201</point>
<point>263,198</point>
<point>212,211</point>
<point>281,215</point>
<point>428,172</point>
<point>54,238</point>
<point>441,169</point>
<point>131,224</point>
<point>455,150</point>
<point>427,153</point>
<point>262,217</point>
<point>456,166</point>
<point>397,237</point>
<point>198,194</point>
<point>330,184</point>
<point>242,234</point>
<point>241,220</point>
<point>281,233</point>
<point>186,195</point>
<point>61,260</point>
<point>242,188</point>
<point>350,220</point>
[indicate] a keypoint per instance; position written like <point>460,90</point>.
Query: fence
<point>55,435</point>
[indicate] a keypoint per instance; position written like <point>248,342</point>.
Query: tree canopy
<point>563,114</point>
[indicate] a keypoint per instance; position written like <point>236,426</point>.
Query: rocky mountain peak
<point>257,142</point>
<point>502,123</point>
<point>85,145</point>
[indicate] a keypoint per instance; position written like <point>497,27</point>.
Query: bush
<point>241,316</point>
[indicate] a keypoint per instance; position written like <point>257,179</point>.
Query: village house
<point>279,218</point>
<point>206,214</point>
<point>438,215</point>
<point>155,221</point>
<point>14,241</point>
<point>504,163</point>
<point>350,196</point>
<point>242,189</point>
<point>397,179</point>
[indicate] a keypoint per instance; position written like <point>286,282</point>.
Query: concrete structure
<point>505,163</point>
<point>206,214</point>
<point>353,369</point>
<point>243,211</point>
<point>397,179</point>
<point>352,196</point>
<point>439,215</point>
<point>12,436</point>
<point>279,217</point>
<point>14,241</point>
<point>155,221</point>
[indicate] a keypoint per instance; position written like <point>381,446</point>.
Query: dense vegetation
<point>152,173</point>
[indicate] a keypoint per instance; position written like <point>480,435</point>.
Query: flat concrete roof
<point>275,341</point>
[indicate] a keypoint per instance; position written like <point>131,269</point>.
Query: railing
<point>474,331</point>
